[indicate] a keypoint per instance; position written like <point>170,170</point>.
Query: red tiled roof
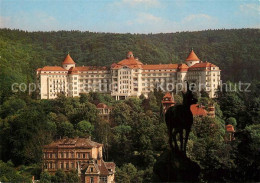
<point>101,105</point>
<point>160,66</point>
<point>91,68</point>
<point>75,70</point>
<point>68,60</point>
<point>197,110</point>
<point>113,65</point>
<point>192,56</point>
<point>77,142</point>
<point>183,67</point>
<point>53,68</point>
<point>203,65</point>
<point>130,61</point>
<point>103,169</point>
<point>110,165</point>
<point>167,99</point>
<point>230,128</point>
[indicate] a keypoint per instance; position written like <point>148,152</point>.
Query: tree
<point>83,98</point>
<point>45,177</point>
<point>232,121</point>
<point>60,176</point>
<point>121,114</point>
<point>247,154</point>
<point>11,106</point>
<point>8,173</point>
<point>128,173</point>
<point>85,127</point>
<point>72,177</point>
<point>207,147</point>
<point>65,129</point>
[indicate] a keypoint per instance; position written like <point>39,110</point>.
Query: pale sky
<point>129,16</point>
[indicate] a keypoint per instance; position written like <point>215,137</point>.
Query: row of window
<point>66,155</point>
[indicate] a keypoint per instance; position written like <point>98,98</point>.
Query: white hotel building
<point>129,77</point>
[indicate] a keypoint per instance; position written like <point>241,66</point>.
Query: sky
<point>129,16</point>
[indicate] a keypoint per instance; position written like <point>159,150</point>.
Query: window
<point>83,155</point>
<point>78,155</point>
<point>61,165</point>
<point>91,179</point>
<point>103,179</point>
<point>67,166</point>
<point>72,155</point>
<point>91,169</point>
<point>67,155</point>
<point>61,155</point>
<point>72,165</point>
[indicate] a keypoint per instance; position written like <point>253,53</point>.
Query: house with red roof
<point>104,111</point>
<point>230,131</point>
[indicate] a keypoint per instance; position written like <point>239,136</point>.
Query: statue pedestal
<point>175,167</point>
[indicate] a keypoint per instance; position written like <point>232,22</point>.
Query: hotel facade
<point>127,78</point>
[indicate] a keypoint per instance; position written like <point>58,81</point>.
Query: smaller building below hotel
<point>80,154</point>
<point>104,111</point>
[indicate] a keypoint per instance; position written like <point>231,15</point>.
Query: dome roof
<point>129,54</point>
<point>130,60</point>
<point>192,57</point>
<point>68,60</point>
<point>230,128</point>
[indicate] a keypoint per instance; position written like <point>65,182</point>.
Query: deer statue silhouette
<point>180,118</point>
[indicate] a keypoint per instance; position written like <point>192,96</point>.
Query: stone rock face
<point>175,167</point>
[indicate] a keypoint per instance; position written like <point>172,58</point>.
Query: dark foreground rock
<point>175,167</point>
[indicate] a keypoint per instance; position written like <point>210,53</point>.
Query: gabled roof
<point>103,169</point>
<point>192,56</point>
<point>68,60</point>
<point>198,110</point>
